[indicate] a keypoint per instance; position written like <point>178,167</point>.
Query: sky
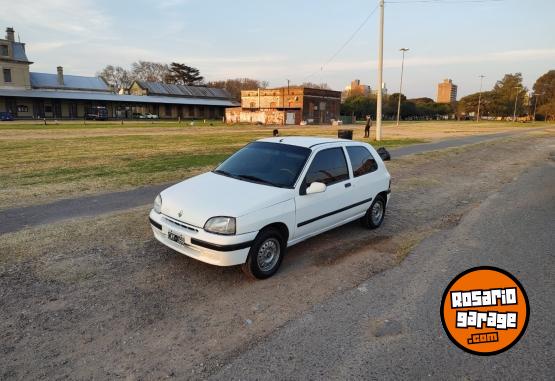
<point>280,40</point>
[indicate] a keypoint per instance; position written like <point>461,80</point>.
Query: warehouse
<point>30,95</point>
<point>286,105</point>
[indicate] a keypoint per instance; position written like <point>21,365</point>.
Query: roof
<point>302,141</point>
<point>112,97</point>
<point>166,89</point>
<point>18,49</point>
<point>76,82</point>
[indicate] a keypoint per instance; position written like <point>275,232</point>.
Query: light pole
<point>403,50</point>
<point>479,97</point>
<point>380,76</point>
<point>536,95</point>
<point>516,101</point>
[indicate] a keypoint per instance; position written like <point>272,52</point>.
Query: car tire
<point>375,214</point>
<point>265,255</point>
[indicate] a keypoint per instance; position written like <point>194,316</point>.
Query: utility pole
<point>479,97</point>
<point>380,76</point>
<point>401,84</point>
<point>516,101</point>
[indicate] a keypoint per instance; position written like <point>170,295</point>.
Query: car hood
<point>209,195</point>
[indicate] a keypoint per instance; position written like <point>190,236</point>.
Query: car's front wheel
<point>265,255</point>
<point>375,214</point>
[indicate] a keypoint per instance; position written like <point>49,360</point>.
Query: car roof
<point>303,141</point>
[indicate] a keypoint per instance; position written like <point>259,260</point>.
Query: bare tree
<point>312,85</point>
<point>149,71</point>
<point>234,86</point>
<point>116,76</point>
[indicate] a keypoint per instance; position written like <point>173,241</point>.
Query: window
<point>7,75</point>
<point>266,163</point>
<point>168,110</point>
<point>47,108</point>
<point>361,161</point>
<point>22,108</point>
<point>4,50</point>
<point>328,167</point>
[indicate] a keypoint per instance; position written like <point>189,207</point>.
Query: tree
<point>182,74</point>
<point>504,93</point>
<point>359,105</point>
<point>235,86</point>
<point>149,71</point>
<point>544,92</point>
<point>116,76</point>
<point>312,85</point>
<point>547,110</point>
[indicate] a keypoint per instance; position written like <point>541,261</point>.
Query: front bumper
<point>215,249</point>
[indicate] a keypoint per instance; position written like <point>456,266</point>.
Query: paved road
<point>19,218</point>
<point>389,328</point>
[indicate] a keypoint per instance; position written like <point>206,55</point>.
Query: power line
<point>344,45</point>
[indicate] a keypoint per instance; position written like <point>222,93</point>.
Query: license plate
<point>176,238</point>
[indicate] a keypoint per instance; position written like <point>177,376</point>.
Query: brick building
<point>286,105</point>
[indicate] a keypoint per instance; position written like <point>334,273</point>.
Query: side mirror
<point>316,187</point>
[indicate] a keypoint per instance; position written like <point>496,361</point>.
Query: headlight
<point>220,225</point>
<point>158,204</point>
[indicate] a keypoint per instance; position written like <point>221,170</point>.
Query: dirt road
<point>100,298</point>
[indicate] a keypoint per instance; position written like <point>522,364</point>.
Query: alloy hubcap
<point>268,254</point>
<point>377,212</point>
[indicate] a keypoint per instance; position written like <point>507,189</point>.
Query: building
<point>30,95</point>
<point>355,88</point>
<point>286,105</point>
<point>446,92</point>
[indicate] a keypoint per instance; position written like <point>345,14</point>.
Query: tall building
<point>446,92</point>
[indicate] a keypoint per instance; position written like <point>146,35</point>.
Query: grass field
<point>41,163</point>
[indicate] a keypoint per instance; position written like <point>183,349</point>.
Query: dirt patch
<point>100,298</point>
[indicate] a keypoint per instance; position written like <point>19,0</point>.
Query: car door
<point>317,212</point>
<point>366,177</point>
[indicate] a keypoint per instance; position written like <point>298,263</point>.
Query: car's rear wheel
<point>265,255</point>
<point>375,214</point>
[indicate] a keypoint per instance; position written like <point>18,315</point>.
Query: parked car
<point>6,117</point>
<point>138,115</point>
<point>96,113</point>
<point>151,116</point>
<point>272,194</point>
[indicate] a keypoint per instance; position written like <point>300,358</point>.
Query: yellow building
<point>446,92</point>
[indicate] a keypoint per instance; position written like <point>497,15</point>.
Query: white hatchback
<point>271,194</point>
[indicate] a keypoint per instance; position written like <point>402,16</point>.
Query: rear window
<point>328,167</point>
<point>362,160</point>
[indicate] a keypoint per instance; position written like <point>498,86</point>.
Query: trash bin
<point>345,134</point>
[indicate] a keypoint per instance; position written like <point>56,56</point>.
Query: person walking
<point>368,125</point>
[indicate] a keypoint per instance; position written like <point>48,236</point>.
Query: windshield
<point>272,164</point>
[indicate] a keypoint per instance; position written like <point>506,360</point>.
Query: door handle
<point>347,185</point>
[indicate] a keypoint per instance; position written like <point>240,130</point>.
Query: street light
<point>403,50</point>
<point>516,100</point>
<point>479,97</point>
<point>536,95</point>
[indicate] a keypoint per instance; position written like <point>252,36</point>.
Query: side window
<point>328,167</point>
<point>361,160</point>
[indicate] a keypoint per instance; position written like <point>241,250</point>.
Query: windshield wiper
<point>257,179</point>
<point>224,173</point>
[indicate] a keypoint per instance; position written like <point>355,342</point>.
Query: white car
<point>272,194</point>
<point>151,116</point>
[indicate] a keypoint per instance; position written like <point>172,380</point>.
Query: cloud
<point>67,16</point>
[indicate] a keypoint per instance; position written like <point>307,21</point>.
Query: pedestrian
<point>368,125</point>
<point>275,132</point>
